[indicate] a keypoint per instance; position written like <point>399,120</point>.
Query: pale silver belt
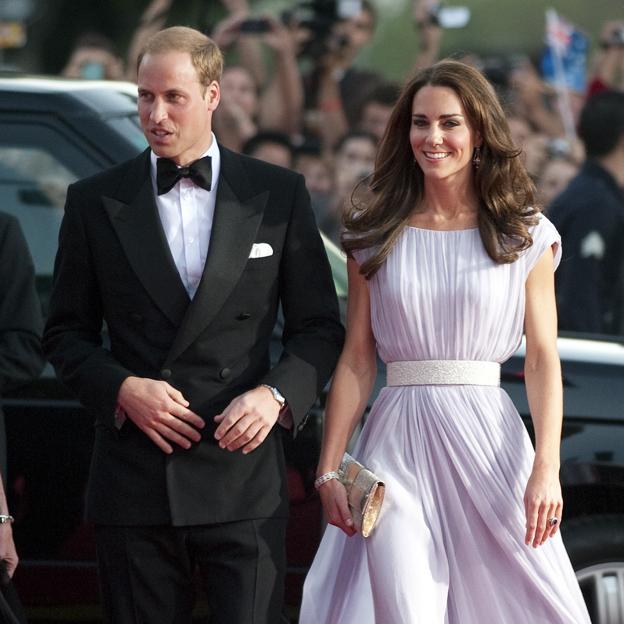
<point>443,372</point>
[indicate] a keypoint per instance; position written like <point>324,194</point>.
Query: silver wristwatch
<point>277,395</point>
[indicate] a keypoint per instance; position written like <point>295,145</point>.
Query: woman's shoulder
<point>543,234</point>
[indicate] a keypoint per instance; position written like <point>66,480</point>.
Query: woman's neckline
<point>414,227</point>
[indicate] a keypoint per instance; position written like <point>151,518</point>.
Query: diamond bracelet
<point>324,478</point>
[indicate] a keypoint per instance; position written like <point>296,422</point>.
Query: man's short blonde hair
<point>205,53</point>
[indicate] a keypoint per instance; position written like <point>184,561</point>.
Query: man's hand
<point>160,411</point>
<point>8,554</point>
<point>247,420</point>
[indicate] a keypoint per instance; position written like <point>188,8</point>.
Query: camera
<point>254,26</point>
<point>319,18</point>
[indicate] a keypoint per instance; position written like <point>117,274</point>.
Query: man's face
<point>174,108</point>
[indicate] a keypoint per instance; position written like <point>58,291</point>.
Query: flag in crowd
<point>564,62</point>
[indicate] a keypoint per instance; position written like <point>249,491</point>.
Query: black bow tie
<point>168,173</point>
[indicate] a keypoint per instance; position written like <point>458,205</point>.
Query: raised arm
<point>281,103</point>
<point>152,20</point>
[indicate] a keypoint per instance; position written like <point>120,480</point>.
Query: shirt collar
<point>212,151</point>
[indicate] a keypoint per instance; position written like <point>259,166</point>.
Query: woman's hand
<point>542,501</point>
<point>334,499</point>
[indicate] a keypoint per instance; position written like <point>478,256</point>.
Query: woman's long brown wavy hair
<point>505,191</point>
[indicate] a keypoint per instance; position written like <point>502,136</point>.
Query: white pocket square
<point>261,250</point>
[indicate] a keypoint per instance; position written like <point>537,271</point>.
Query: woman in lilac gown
<point>448,265</point>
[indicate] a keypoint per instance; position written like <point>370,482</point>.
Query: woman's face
<point>441,137</point>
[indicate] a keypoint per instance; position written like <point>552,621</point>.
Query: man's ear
<point>213,95</point>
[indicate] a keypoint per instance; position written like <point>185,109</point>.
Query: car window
<point>33,184</point>
<point>37,163</point>
<point>130,127</point>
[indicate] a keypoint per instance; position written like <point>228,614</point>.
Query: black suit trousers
<point>149,574</point>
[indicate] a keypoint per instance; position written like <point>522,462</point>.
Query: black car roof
<point>67,97</point>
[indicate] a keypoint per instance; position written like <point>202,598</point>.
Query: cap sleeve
<point>544,235</point>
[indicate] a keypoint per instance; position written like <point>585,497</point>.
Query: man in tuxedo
<point>186,253</point>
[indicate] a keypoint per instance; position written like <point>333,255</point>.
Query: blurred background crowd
<point>301,90</point>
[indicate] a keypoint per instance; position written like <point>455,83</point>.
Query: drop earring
<point>476,157</point>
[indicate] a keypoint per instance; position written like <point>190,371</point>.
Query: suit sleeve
<point>73,334</point>
<point>313,335</point>
<point>21,359</point>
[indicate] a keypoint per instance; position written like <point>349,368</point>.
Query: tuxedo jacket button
<point>165,373</point>
<point>243,316</point>
<point>225,373</point>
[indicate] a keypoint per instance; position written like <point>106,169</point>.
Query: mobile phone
<point>450,16</point>
<point>255,25</point>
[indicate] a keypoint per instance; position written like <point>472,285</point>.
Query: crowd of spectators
<point>293,94</point>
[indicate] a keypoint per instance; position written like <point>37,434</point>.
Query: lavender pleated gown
<point>449,545</point>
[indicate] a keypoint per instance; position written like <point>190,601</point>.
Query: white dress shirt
<point>186,213</point>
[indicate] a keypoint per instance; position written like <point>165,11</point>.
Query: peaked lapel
<point>142,238</point>
<point>234,229</point>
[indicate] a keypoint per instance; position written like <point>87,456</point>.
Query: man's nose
<point>159,111</point>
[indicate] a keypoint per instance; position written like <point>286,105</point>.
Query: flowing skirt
<point>449,544</point>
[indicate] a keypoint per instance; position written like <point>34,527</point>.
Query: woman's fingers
<point>334,498</point>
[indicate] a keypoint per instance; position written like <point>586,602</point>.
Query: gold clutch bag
<point>365,493</point>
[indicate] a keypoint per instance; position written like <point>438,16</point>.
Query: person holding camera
<point>277,96</point>
<point>449,262</point>
<point>335,89</point>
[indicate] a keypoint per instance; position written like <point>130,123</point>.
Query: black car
<point>53,132</point>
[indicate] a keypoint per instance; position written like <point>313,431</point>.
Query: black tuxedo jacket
<point>114,265</point>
